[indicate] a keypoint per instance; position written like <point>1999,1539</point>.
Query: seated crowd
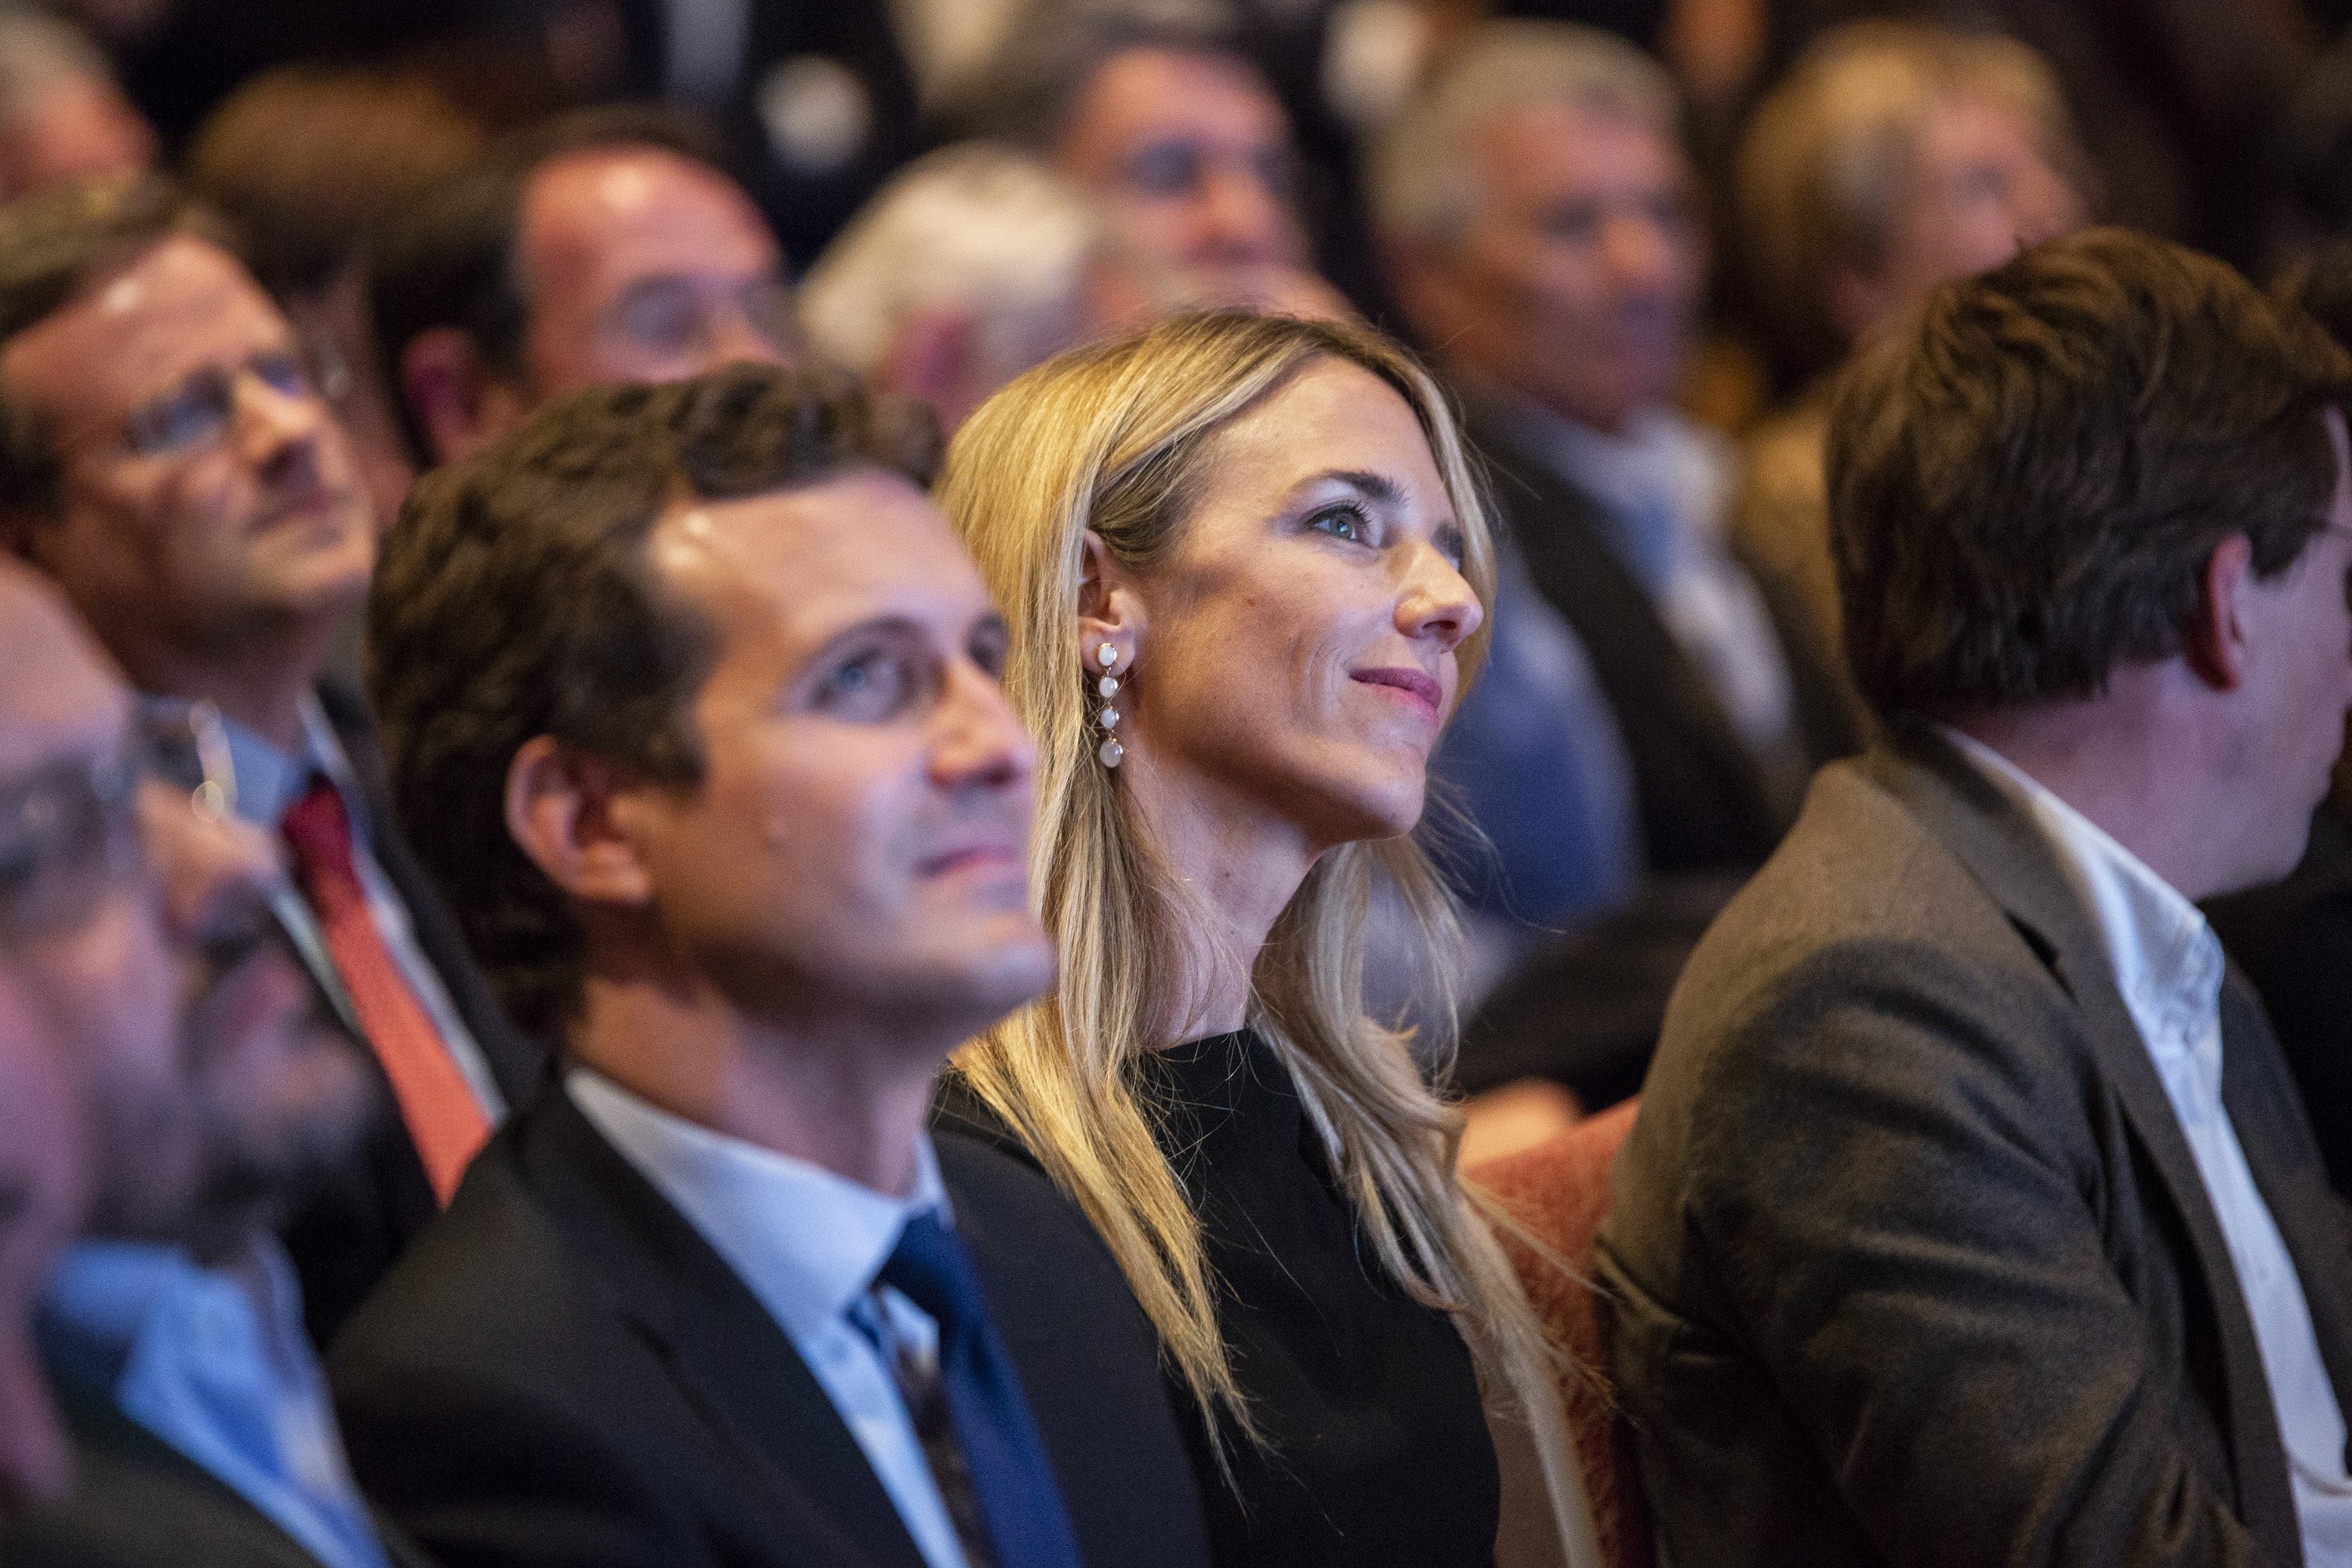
<point>1044,901</point>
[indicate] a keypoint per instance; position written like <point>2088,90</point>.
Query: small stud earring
<point>1110,752</point>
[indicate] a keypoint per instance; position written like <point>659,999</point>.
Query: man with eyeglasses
<point>135,918</point>
<point>599,247</point>
<point>165,458</point>
<point>1158,115</point>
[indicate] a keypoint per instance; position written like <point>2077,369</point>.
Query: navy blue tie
<point>1019,1499</point>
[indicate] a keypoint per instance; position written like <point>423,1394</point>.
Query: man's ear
<point>559,808</point>
<point>1109,609</point>
<point>2216,644</point>
<point>458,399</point>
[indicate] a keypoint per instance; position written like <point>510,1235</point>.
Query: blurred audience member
<point>308,163</point>
<point>1894,156</point>
<point>1972,1215</point>
<point>53,873</point>
<point>168,461</point>
<point>973,264</point>
<point>694,699</point>
<point>1644,711</point>
<point>1156,113</point>
<point>815,105</point>
<point>603,245</point>
<point>61,115</point>
<point>1537,211</point>
<point>2295,940</point>
<point>44,1175</point>
<point>172,1330</point>
<point>2176,103</point>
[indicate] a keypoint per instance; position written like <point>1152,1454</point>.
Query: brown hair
<point>514,599</point>
<point>2026,482</point>
<point>307,162</point>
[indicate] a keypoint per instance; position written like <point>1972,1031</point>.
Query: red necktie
<point>444,1119</point>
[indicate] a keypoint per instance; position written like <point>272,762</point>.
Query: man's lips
<point>1413,685</point>
<point>971,856</point>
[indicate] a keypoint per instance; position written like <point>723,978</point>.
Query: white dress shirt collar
<point>2168,967</point>
<point>2168,964</point>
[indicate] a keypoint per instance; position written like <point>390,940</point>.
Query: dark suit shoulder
<point>1086,1355</point>
<point>478,1389</point>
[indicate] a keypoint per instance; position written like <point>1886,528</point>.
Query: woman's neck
<point>1241,864</point>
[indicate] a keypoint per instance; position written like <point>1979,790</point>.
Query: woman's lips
<point>1413,685</point>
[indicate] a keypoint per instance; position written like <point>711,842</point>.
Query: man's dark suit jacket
<point>1586,1010</point>
<point>1910,1259</point>
<point>563,1371</point>
<point>1705,804</point>
<point>346,1238</point>
<point>137,1502</point>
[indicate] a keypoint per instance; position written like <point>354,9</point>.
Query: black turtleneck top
<point>1375,1448</point>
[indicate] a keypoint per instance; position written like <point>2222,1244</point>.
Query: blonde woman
<point>1246,569</point>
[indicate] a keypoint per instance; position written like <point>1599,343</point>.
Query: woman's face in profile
<point>1297,648</point>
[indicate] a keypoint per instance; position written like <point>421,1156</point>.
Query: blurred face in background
<point>1577,282</point>
<point>210,514</point>
<point>44,1184</point>
<point>1190,157</point>
<point>78,125</point>
<point>641,265</point>
<point>139,922</point>
<point>1979,189</point>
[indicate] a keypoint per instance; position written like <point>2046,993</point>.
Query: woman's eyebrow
<point>1374,486</point>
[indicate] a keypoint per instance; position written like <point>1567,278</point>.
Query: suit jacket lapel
<point>518,1064</point>
<point>2284,1159</point>
<point>730,1359</point>
<point>1574,568</point>
<point>2007,856</point>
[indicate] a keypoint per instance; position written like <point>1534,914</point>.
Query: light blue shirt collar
<point>269,781</point>
<point>808,1242</point>
<point>215,1361</point>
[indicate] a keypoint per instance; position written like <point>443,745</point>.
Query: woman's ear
<point>559,809</point>
<point>1110,611</point>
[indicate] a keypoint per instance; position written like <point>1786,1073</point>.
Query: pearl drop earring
<point>1110,752</point>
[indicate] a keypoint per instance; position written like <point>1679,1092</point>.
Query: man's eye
<point>666,321</point>
<point>870,686</point>
<point>1346,522</point>
<point>1167,170</point>
<point>195,412</point>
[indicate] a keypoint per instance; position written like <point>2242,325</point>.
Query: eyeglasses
<point>201,409</point>
<point>671,316</point>
<point>69,831</point>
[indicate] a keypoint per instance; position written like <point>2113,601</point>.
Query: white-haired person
<point>1246,573</point>
<point>974,263</point>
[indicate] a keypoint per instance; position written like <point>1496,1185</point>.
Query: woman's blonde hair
<point>1112,439</point>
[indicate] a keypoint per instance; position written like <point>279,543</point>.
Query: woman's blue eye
<point>1343,523</point>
